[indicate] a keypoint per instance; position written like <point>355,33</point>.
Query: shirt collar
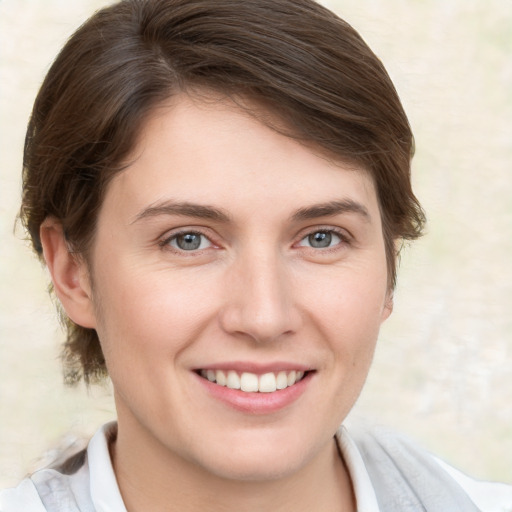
<point>105,493</point>
<point>106,496</point>
<point>363,489</point>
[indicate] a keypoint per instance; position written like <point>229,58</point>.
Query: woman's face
<point>228,255</point>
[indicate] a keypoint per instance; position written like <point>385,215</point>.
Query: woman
<point>219,190</point>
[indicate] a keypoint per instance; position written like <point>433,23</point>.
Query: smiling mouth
<point>251,382</point>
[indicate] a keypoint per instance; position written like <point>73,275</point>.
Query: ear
<point>69,274</point>
<point>388,306</point>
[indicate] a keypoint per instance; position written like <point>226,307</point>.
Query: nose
<point>260,302</point>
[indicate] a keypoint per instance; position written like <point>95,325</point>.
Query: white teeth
<point>249,382</point>
<point>233,380</point>
<point>282,380</point>
<point>252,383</point>
<point>268,383</point>
<point>220,377</point>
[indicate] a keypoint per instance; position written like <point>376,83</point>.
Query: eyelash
<point>344,239</point>
<point>166,242</point>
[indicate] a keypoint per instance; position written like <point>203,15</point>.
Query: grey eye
<point>190,241</point>
<point>320,240</point>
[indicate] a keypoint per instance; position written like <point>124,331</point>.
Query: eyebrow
<point>331,209</point>
<point>200,211</point>
<point>184,209</point>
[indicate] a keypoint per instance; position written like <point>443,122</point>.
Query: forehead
<point>214,150</point>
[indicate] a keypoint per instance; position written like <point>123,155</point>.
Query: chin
<point>256,460</point>
<point>258,469</point>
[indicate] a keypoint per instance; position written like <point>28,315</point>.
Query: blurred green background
<point>443,369</point>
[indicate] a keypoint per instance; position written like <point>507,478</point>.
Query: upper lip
<point>257,368</point>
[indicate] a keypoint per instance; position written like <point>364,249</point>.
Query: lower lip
<point>257,403</point>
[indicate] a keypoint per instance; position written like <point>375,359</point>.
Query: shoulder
<point>83,482</point>
<point>62,488</point>
<point>488,496</point>
<point>401,470</point>
<point>23,498</point>
<point>65,485</point>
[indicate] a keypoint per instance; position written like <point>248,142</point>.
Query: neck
<point>152,478</point>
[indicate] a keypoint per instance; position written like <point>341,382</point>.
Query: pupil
<point>320,239</point>
<point>189,241</point>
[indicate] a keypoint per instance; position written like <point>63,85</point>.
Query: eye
<point>189,241</point>
<point>322,239</point>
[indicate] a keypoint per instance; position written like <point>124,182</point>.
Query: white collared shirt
<point>97,478</point>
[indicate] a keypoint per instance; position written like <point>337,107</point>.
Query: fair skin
<point>227,247</point>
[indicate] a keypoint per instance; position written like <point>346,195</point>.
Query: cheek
<point>349,312</point>
<point>149,316</point>
<point>354,298</point>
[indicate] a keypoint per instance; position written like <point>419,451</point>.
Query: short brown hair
<point>308,67</point>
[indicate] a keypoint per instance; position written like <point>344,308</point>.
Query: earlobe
<point>388,306</point>
<point>69,274</point>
